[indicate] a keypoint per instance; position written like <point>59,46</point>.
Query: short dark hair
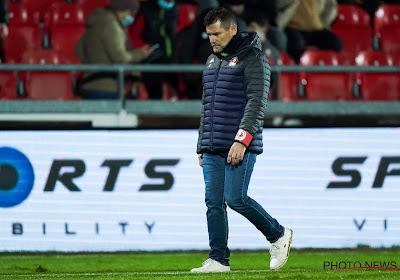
<point>226,17</point>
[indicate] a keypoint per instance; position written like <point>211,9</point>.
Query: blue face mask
<point>166,5</point>
<point>127,21</point>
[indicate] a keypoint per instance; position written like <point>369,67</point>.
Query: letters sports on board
<point>110,190</point>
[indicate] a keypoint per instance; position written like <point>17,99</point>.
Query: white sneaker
<point>280,250</point>
<point>211,265</point>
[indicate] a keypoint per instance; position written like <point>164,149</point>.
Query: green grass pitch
<point>302,264</point>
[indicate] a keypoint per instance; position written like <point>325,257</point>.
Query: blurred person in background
<point>258,23</point>
<point>193,47</point>
<point>237,7</point>
<point>268,7</point>
<point>236,83</point>
<point>3,25</point>
<point>105,42</point>
<point>307,23</point>
<point>156,25</point>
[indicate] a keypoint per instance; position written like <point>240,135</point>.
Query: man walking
<point>236,81</point>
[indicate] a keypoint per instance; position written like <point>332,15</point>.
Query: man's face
<point>220,37</point>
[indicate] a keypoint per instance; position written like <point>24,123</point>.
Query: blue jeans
<point>98,94</point>
<point>227,185</point>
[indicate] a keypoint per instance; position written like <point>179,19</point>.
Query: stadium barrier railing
<point>121,113</point>
<point>121,69</point>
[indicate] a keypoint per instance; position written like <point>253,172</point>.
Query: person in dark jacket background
<point>259,23</point>
<point>3,25</point>
<point>192,45</point>
<point>235,87</point>
<point>270,10</point>
<point>156,25</point>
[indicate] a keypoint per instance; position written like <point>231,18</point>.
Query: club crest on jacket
<point>233,61</point>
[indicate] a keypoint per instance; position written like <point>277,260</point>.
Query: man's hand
<point>236,153</point>
<point>200,156</point>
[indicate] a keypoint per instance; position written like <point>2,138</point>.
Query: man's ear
<point>233,29</point>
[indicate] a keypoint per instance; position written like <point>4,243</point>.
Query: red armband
<point>243,137</point>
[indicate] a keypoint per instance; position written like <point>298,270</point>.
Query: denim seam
<point>244,180</point>
<point>225,215</point>
<point>224,210</point>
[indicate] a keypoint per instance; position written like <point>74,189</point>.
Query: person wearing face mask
<point>156,24</point>
<point>270,10</point>
<point>258,23</point>
<point>105,42</point>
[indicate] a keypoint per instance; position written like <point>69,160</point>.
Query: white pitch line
<point>119,274</point>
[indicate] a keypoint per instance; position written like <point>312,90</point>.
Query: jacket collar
<point>231,48</point>
<point>240,42</point>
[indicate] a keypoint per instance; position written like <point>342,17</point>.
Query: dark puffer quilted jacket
<point>235,91</point>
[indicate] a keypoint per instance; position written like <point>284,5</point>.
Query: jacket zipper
<point>212,105</point>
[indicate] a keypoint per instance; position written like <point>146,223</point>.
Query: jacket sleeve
<point>201,127</point>
<point>328,12</point>
<point>286,11</point>
<point>115,46</point>
<point>257,75</point>
<point>79,50</point>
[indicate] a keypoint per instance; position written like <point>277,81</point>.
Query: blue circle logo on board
<point>16,177</point>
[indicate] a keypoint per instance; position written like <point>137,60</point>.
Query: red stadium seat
<point>45,56</point>
<point>8,85</point>
<point>377,86</point>
<point>19,14</point>
<point>186,15</point>
<point>352,25</point>
<point>395,58</point>
<point>95,3</point>
<point>288,81</point>
<point>325,86</point>
<point>42,6</point>
<point>88,6</point>
<point>39,6</point>
<point>387,27</point>
<point>47,85</point>
<point>24,33</point>
<point>65,39</point>
<point>65,22</point>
